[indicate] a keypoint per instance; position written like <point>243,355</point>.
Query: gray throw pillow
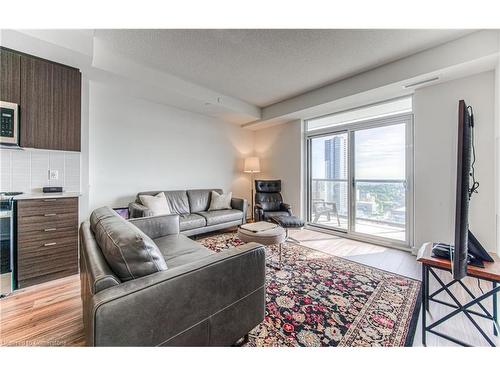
<point>220,201</point>
<point>128,251</point>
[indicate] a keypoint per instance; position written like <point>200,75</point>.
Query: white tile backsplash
<point>28,170</point>
<point>72,171</point>
<point>5,180</point>
<point>39,169</point>
<point>21,173</point>
<point>56,161</point>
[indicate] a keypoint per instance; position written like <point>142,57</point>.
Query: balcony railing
<point>377,200</point>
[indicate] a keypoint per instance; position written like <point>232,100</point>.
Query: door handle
<point>50,244</point>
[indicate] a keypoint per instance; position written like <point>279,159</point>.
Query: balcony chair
<point>321,207</point>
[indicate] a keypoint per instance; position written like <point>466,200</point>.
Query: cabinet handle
<point>49,215</point>
<point>50,244</point>
<point>49,200</point>
<point>50,229</point>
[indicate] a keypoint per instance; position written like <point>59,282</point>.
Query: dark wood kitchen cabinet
<point>10,76</point>
<point>50,105</point>
<point>66,108</point>
<point>36,103</point>
<point>49,98</point>
<point>47,240</point>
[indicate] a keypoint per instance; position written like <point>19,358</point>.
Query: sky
<point>379,153</point>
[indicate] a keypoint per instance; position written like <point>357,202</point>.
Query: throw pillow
<point>220,201</point>
<point>158,203</point>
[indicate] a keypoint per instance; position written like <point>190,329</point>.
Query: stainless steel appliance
<point>7,256</point>
<point>9,126</point>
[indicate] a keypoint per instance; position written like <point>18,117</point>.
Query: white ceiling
<point>263,67</point>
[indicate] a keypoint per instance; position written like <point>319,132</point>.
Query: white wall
<point>435,110</point>
<point>280,150</point>
<point>136,145</point>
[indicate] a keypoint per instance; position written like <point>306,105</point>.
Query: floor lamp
<point>252,165</point>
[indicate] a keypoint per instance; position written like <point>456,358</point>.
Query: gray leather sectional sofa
<point>192,208</point>
<point>145,284</point>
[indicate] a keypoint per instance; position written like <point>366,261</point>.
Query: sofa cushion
<point>178,249</point>
<point>177,200</point>
<point>222,216</point>
<point>220,201</point>
<point>127,250</point>
<point>199,200</point>
<point>191,221</point>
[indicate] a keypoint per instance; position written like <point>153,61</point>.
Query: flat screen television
<point>464,161</point>
<point>467,249</point>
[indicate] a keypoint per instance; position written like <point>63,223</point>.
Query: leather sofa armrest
<point>286,207</point>
<point>138,210</point>
<point>153,309</point>
<point>157,226</point>
<point>240,204</point>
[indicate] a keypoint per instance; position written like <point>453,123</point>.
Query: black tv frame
<point>464,151</point>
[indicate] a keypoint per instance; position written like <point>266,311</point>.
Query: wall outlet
<point>53,174</point>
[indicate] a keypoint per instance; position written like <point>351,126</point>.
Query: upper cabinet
<point>66,108</point>
<point>10,77</point>
<point>36,103</point>
<point>49,98</point>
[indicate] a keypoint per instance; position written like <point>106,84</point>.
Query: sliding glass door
<point>359,179</point>
<point>379,175</point>
<point>329,184</point>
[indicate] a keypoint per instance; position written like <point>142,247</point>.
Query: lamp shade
<point>252,165</point>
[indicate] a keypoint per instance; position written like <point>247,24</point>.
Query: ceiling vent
<point>421,82</point>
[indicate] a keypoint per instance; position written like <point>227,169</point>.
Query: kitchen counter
<point>46,195</point>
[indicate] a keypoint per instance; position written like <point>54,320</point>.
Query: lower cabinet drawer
<point>33,207</point>
<point>28,250</point>
<point>46,235</point>
<point>67,270</point>
<point>42,222</point>
<point>47,240</point>
<point>47,265</point>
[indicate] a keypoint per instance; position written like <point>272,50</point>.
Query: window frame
<point>350,128</point>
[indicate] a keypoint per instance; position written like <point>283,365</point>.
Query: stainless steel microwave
<point>9,127</point>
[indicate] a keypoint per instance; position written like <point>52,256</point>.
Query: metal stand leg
<point>425,303</point>
<point>495,311</point>
<point>290,239</point>
<point>457,307</point>
<point>427,287</point>
<point>271,263</point>
<point>280,249</point>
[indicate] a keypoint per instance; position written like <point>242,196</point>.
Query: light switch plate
<point>53,174</point>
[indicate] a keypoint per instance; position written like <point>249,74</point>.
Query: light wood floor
<point>50,314</point>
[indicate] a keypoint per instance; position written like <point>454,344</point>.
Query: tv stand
<point>490,273</point>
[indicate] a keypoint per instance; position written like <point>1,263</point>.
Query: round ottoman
<point>274,236</point>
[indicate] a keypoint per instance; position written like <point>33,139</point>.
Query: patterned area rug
<point>317,299</point>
